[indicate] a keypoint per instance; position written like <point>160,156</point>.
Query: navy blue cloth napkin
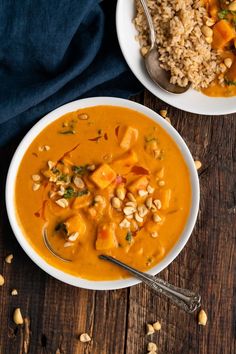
<point>53,52</point>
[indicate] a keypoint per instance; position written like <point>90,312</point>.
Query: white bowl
<point>190,101</point>
<point>31,135</point>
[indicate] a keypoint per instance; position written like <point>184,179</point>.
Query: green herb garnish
<point>223,14</point>
<point>63,178</point>
<point>55,170</point>
<point>80,170</point>
<point>71,193</point>
<point>83,192</point>
<point>230,83</point>
<point>129,236</point>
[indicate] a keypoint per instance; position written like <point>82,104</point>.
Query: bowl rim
<point>23,146</point>
<point>191,101</point>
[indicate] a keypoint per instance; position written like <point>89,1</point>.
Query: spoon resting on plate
<point>185,299</point>
<point>159,75</point>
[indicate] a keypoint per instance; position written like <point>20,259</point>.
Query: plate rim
<point>148,84</point>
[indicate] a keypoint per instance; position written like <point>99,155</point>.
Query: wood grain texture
<point>56,313</point>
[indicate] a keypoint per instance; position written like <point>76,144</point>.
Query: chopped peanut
<point>152,347</point>
<point>2,281</point>
<point>198,164</point>
<point>163,113</point>
<point>157,326</point>
<point>202,318</point>
<point>84,338</point>
<point>17,317</point>
<point>149,329</point>
<point>9,258</point>
<point>116,203</point>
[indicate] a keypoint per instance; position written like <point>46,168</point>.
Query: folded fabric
<point>53,52</point>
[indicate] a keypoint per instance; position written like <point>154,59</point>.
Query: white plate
<point>191,101</point>
<point>12,175</point>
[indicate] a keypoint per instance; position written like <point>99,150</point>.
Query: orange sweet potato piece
<point>165,197</point>
<point>75,223</point>
<point>223,33</point>
<point>127,159</point>
<point>139,184</point>
<point>129,138</point>
<point>82,201</point>
<point>231,74</point>
<point>103,176</point>
<point>106,238</point>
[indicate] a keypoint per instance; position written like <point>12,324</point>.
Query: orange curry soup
<point>224,42</point>
<point>103,180</point>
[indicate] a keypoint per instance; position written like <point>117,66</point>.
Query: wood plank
<point>206,264</point>
<point>116,320</point>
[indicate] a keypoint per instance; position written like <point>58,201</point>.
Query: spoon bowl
<point>160,76</point>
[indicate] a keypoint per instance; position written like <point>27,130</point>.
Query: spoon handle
<point>185,299</point>
<point>152,34</point>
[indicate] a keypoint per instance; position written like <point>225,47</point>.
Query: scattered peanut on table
<point>198,164</point>
<point>17,316</point>
<point>202,318</point>
<point>14,292</point>
<point>152,347</point>
<point>9,258</point>
<point>2,281</point>
<point>84,338</point>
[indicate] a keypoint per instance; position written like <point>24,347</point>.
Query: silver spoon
<point>185,299</point>
<point>159,75</point>
<point>50,248</point>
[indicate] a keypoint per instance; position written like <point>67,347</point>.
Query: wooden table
<point>57,313</point>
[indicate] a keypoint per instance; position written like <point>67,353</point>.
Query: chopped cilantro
<point>55,170</point>
<point>129,236</point>
<point>71,193</point>
<point>83,192</point>
<point>223,14</point>
<point>63,178</point>
<point>80,170</point>
<point>230,83</point>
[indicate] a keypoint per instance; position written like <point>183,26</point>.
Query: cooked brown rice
<point>183,49</point>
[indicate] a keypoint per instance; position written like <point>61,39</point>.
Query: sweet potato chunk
<point>103,176</point>
<point>106,238</point>
<point>75,223</point>
<point>82,201</point>
<point>127,159</point>
<point>139,184</point>
<point>165,197</point>
<point>231,74</point>
<point>223,33</point>
<point>129,138</point>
